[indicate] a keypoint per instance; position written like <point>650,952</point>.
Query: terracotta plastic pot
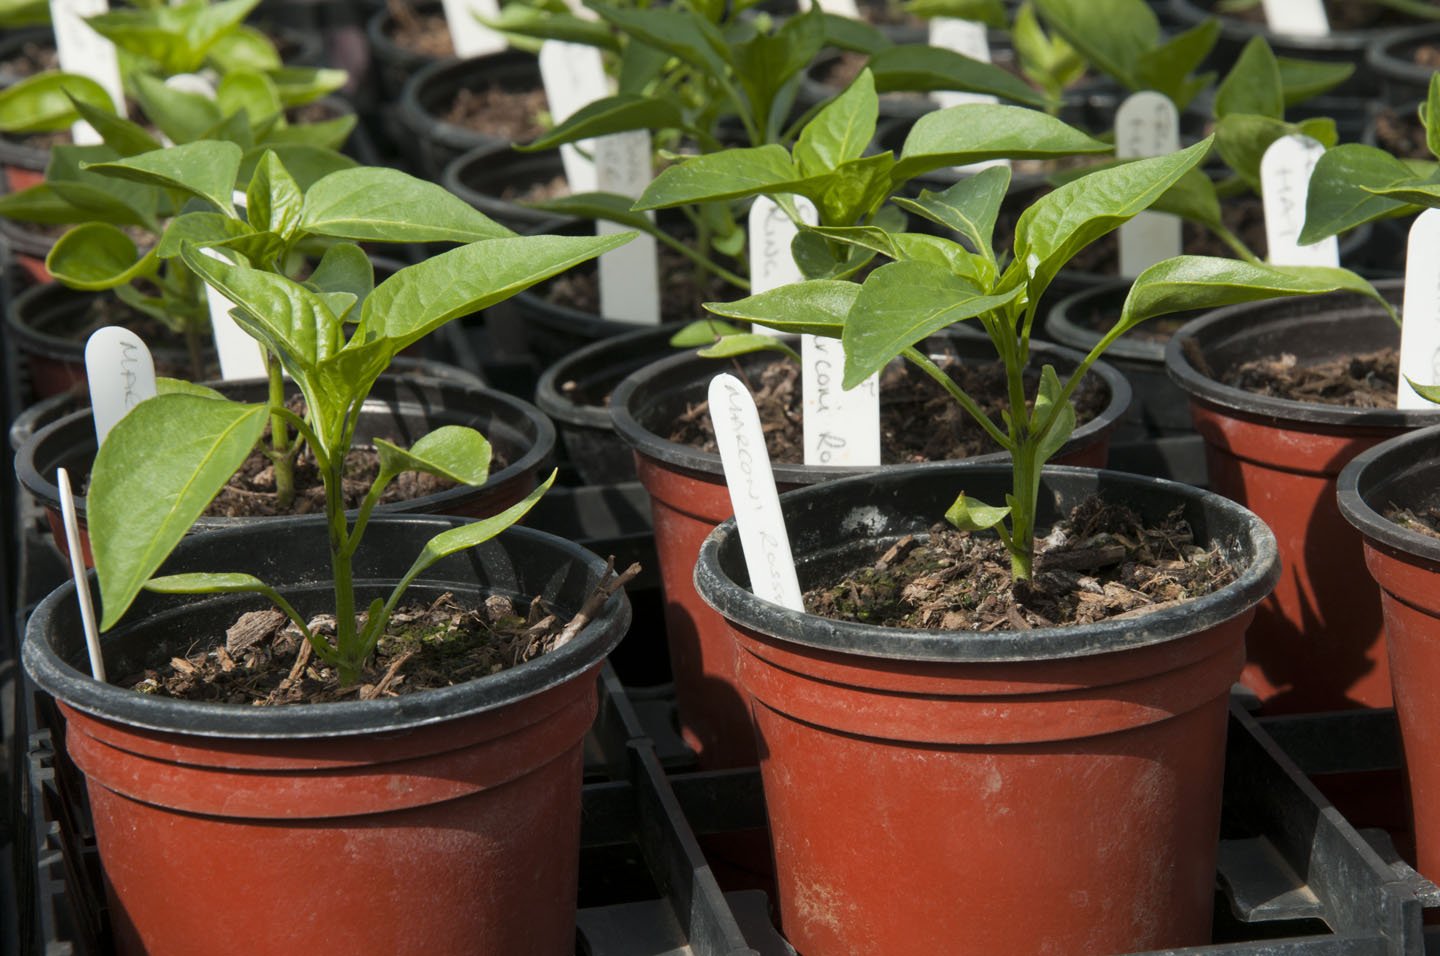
<point>1405,472</point>
<point>689,497</point>
<point>403,408</point>
<point>1316,643</point>
<point>989,794</point>
<point>441,822</point>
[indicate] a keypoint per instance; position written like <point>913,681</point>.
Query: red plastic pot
<point>688,498</point>
<point>983,794</point>
<point>1316,643</point>
<point>1405,472</point>
<point>445,822</point>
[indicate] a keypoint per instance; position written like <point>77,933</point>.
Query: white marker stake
<point>1304,18</point>
<point>630,275</point>
<point>574,77</point>
<point>1284,182</point>
<point>1420,333</point>
<point>191,83</point>
<point>1147,124</point>
<point>84,51</point>
<point>771,264</point>
<point>469,35</point>
<point>121,375</point>
<point>240,355</point>
<point>968,38</point>
<point>77,571</point>
<point>841,427</point>
<point>752,494</point>
<point>841,8</point>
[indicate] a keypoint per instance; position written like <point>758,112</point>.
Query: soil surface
<point>1367,380</point>
<point>919,421</point>
<point>164,343</point>
<point>1401,134</point>
<point>426,35</point>
<point>1101,563</point>
<point>1426,55</point>
<point>33,58</point>
<point>1425,521</point>
<point>492,109</point>
<point>554,188</point>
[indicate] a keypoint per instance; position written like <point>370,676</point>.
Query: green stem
<point>738,281</point>
<point>922,362</point>
<point>1235,243</point>
<point>349,657</point>
<point>1022,511</point>
<point>280,457</point>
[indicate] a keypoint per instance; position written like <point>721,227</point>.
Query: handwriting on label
<point>751,482</point>
<point>574,77</point>
<point>1297,17</point>
<point>841,427</point>
<point>240,355</point>
<point>1420,333</point>
<point>469,36</point>
<point>82,50</point>
<point>1285,181</point>
<point>120,373</point>
<point>629,275</point>
<point>1147,124</point>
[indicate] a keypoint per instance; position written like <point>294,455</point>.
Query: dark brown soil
<point>263,660</point>
<point>682,291</point>
<point>1368,380</point>
<point>1425,521</point>
<point>1158,330</point>
<point>1427,55</point>
<point>33,58</point>
<point>919,421</point>
<point>508,114</point>
<point>1101,563</point>
<point>426,35</point>
<point>1401,134</point>
<point>107,310</point>
<point>251,493</point>
<point>537,192</point>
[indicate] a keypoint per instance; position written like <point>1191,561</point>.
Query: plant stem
<point>1022,510</point>
<point>922,361</point>
<point>281,460</point>
<point>1235,243</point>
<point>348,656</point>
<point>192,346</point>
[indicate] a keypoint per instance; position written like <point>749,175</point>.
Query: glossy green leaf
<point>1111,34</point>
<point>176,37</point>
<point>178,386</point>
<point>841,131</point>
<point>524,20</point>
<point>46,102</point>
<point>1431,393</point>
<point>243,48</point>
<point>1170,68</point>
<point>377,204</point>
<point>1339,200</point>
<point>452,451</point>
<point>970,207</point>
<point>1303,79</point>
<point>728,175</point>
<point>1050,63</point>
<point>1046,398</point>
<point>702,332</point>
<point>847,33</point>
<point>298,85</point>
<point>766,63</point>
<point>1241,140</point>
<point>184,117</point>
<point>967,514</point>
<point>200,582</point>
<point>1253,84</point>
<point>273,200</point>
<point>199,228</point>
<point>813,307</point>
<point>96,256</point>
<point>1424,194</point>
<point>250,92</point>
<point>141,503</point>
<point>65,203</point>
<point>976,132</point>
<point>680,33</point>
<point>326,134</point>
<point>205,169</point>
<point>306,164</point>
<point>916,67</point>
<point>125,137</point>
<point>744,343</point>
<point>989,12</point>
<point>613,114</point>
<point>855,190</point>
<point>344,268</point>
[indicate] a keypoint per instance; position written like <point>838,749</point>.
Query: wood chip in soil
<point>919,421</point>
<point>1367,380</point>
<point>263,660</point>
<point>1101,563</point>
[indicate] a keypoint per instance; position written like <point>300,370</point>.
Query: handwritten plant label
<point>79,574</point>
<point>752,493</point>
<point>240,355</point>
<point>467,33</point>
<point>1420,333</point>
<point>968,38</point>
<point>771,232</point>
<point>574,77</point>
<point>630,275</point>
<point>1147,124</point>
<point>82,50</point>
<point>121,374</point>
<point>1285,181</point>
<point>841,427</point>
<point>1305,18</point>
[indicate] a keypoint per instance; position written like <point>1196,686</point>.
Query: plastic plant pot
<point>487,175</point>
<point>689,497</point>
<point>446,821</point>
<point>1317,642</point>
<point>400,408</point>
<point>983,794</point>
<point>1392,58</point>
<point>395,64</point>
<point>1404,472</point>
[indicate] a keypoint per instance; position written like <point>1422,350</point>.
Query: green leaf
<point>855,190</point>
<point>344,268</point>
<point>678,32</point>
<point>1111,34</point>
<point>743,343</point>
<point>97,256</point>
<point>1168,68</point>
<point>611,207</point>
<point>1051,64</point>
<point>15,14</point>
<point>144,496</point>
<point>903,303</point>
<point>1193,197</point>
<point>199,228</point>
<point>201,582</point>
<point>307,164</point>
<point>298,85</point>
<point>184,117</point>
<point>766,63</point>
<point>1430,115</point>
<point>1339,198</point>
<point>372,203</point>
<point>452,451</point>
<point>847,33</point>
<point>840,132</point>
<point>970,207</point>
<point>1303,79</point>
<point>120,134</point>
<point>176,37</point>
<point>63,203</point>
<point>813,307</point>
<point>249,92</point>
<point>967,514</point>
<point>1241,140</point>
<point>976,132</point>
<point>46,101</point>
<point>727,175</point>
<point>1424,194</point>
<point>613,114</point>
<point>326,134</point>
<point>1045,399</point>
<point>420,298</point>
<point>178,386</point>
<point>523,20</point>
<point>1061,223</point>
<point>273,200</point>
<point>243,48</point>
<point>206,169</point>
<point>915,67</point>
<point>1431,393</point>
<point>1253,85</point>
<point>989,12</point>
<point>702,332</point>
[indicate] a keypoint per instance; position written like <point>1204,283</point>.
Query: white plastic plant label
<point>79,574</point>
<point>968,38</point>
<point>574,77</point>
<point>82,50</point>
<point>841,8</point>
<point>1302,18</point>
<point>469,36</point>
<point>1285,181</point>
<point>121,375</point>
<point>1420,333</point>
<point>752,493</point>
<point>1147,124</point>
<point>191,83</point>
<point>630,275</point>
<point>841,427</point>
<point>240,355</point>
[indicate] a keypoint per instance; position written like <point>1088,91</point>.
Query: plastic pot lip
<point>380,40</point>
<point>1380,54</point>
<point>1342,40</point>
<point>688,458</point>
<point>550,400</point>
<point>1248,315</point>
<point>415,115</point>
<point>50,296</point>
<point>341,719</point>
<point>1076,336</point>
<point>44,487</point>
<point>1359,479</point>
<point>497,158</point>
<point>743,608</point>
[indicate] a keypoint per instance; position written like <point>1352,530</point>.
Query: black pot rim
<point>44,487</point>
<point>426,124</point>
<point>380,40</point>
<point>1199,386</point>
<point>693,459</point>
<point>1190,13</point>
<point>55,346</point>
<point>340,719</point>
<point>1380,55</point>
<point>550,400</point>
<point>1073,335</point>
<point>736,603</point>
<point>1368,470</point>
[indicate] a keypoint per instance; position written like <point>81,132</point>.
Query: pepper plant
<point>166,460</point>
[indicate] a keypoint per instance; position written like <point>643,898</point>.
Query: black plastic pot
<point>430,141</point>
<point>394,64</point>
<point>575,392</point>
<point>13,44</point>
<point>486,175</point>
<point>1391,57</point>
